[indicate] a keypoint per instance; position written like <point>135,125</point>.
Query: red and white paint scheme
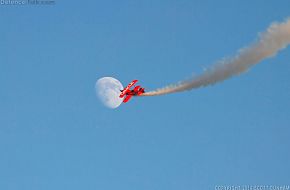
<point>127,93</point>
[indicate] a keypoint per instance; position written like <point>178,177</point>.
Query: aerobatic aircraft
<point>128,93</point>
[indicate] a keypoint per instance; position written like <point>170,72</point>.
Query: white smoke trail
<point>269,43</point>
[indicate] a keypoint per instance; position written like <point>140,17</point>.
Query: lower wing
<point>128,97</point>
<point>123,93</point>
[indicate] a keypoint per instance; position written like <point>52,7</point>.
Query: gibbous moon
<point>108,91</point>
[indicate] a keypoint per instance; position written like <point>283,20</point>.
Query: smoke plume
<point>275,38</point>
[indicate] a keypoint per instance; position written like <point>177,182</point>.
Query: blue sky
<point>55,134</point>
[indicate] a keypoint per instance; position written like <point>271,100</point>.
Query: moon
<point>108,91</point>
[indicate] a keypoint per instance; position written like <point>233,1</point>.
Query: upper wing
<point>127,88</point>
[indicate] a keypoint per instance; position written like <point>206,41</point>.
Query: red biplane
<point>127,93</point>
